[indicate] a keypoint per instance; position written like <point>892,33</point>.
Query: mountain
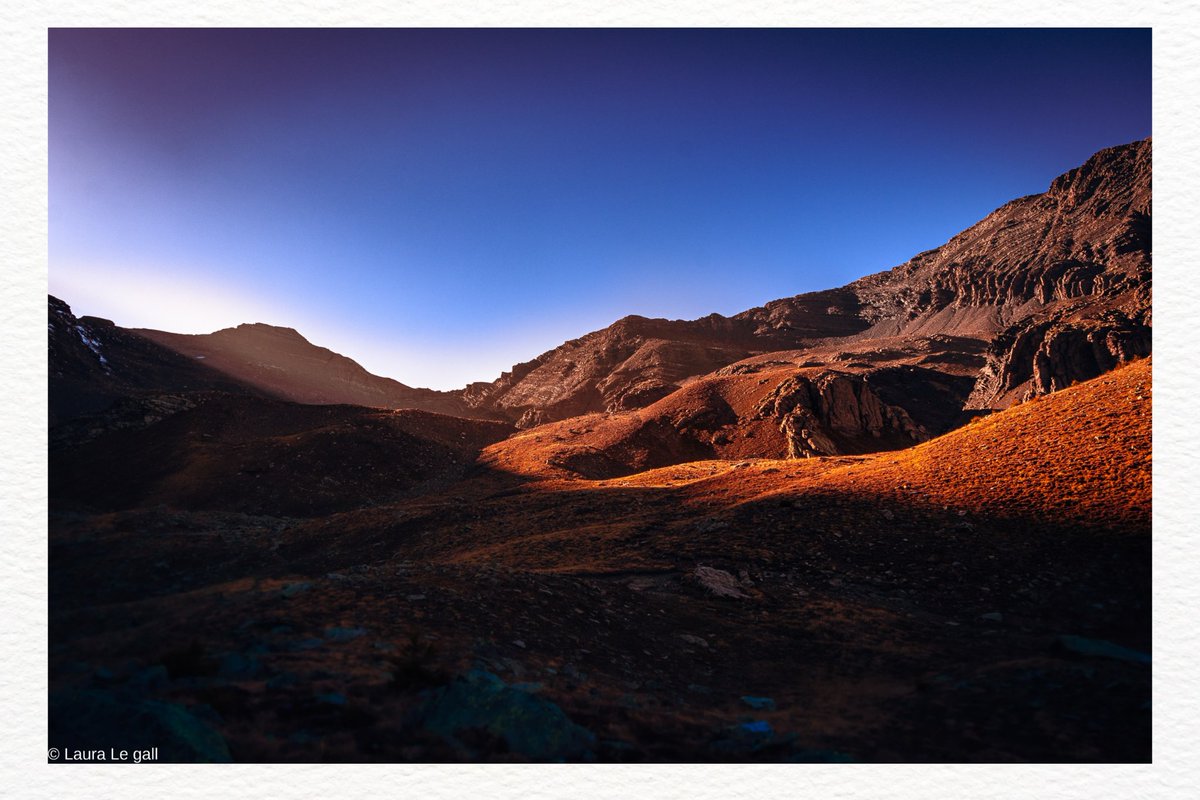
<point>1046,290</point>
<point>1079,457</point>
<point>284,364</point>
<point>778,412</point>
<point>1059,283</point>
<point>908,486</point>
<point>94,363</point>
<point>636,361</point>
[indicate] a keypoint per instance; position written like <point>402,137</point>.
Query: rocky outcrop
<point>832,413</point>
<point>1037,357</point>
<point>1078,251</point>
<point>1087,237</point>
<point>1070,354</point>
<point>532,418</point>
<point>637,361</point>
<point>529,726</point>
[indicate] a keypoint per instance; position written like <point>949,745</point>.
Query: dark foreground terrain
<point>920,605</point>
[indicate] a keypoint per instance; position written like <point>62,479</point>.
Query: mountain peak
<point>266,328</point>
<point>1056,284</point>
<point>1111,173</point>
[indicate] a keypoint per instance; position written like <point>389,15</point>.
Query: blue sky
<point>441,204</point>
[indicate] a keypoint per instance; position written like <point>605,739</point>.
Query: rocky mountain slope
<point>906,485</point>
<point>1045,291</point>
<point>1059,283</point>
<point>286,365</point>
<point>984,596</point>
<point>773,412</point>
<point>1048,289</point>
<point>94,363</point>
<point>636,361</point>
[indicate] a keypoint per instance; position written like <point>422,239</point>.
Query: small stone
<point>519,643</point>
<point>719,582</point>
<point>307,644</point>
<point>759,703</point>
<point>696,640</point>
<point>992,616</point>
<point>344,634</point>
<point>1083,646</point>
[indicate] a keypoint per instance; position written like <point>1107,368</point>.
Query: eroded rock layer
<point>1054,287</point>
<point>813,412</point>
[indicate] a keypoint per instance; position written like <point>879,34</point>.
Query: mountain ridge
<point>1070,265</point>
<point>1046,290</point>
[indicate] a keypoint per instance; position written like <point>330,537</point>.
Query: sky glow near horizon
<point>442,204</point>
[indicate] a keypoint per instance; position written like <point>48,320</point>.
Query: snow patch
<point>93,344</point>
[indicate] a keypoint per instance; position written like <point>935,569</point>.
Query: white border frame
<point>23,373</point>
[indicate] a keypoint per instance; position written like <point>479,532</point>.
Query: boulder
<point>834,412</point>
<point>530,726</point>
<point>100,719</point>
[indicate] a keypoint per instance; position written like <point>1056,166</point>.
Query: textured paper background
<point>23,645</point>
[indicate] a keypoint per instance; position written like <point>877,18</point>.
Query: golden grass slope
<point>1081,455</point>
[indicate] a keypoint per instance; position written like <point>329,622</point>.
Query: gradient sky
<point>441,204</point>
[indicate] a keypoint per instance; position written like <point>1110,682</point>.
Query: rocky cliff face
<point>778,412</point>
<point>1055,286</point>
<point>1060,282</point>
<point>637,361</point>
<point>631,364</point>
<point>1040,356</point>
<point>1087,236</point>
<point>819,415</point>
